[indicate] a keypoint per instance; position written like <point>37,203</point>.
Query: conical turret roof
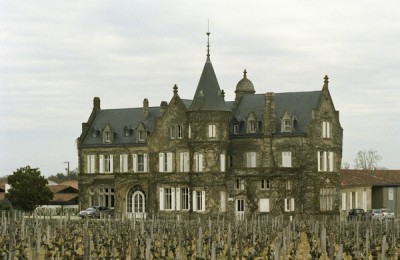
<point>208,96</point>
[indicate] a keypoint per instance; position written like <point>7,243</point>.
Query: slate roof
<point>208,96</point>
<point>356,178</point>
<point>300,104</point>
<point>118,120</point>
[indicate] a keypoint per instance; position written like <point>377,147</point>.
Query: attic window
<point>141,135</point>
<point>252,126</point>
<point>95,133</point>
<point>107,137</point>
<point>287,125</point>
<point>236,129</point>
<point>127,131</point>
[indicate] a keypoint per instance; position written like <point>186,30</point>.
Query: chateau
<point>269,153</point>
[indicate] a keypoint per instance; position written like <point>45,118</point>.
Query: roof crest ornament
<point>245,73</point>
<point>326,81</point>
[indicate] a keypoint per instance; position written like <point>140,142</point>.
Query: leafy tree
<point>367,160</point>
<point>28,189</point>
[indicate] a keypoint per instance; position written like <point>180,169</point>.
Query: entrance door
<point>136,203</point>
<point>239,209</point>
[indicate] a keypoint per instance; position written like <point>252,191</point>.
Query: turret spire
<point>208,41</point>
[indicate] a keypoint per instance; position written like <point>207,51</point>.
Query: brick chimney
<point>146,108</point>
<point>96,104</point>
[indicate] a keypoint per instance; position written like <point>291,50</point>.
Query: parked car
<point>358,214</point>
<point>96,212</point>
<point>387,214</point>
<point>374,214</point>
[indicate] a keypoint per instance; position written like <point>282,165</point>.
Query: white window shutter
<point>222,162</point>
<point>121,163</point>
<point>178,199</point>
<point>181,162</point>
<point>324,161</point>
<point>101,164</point>
<point>328,129</point>
<point>319,160</point>
<point>88,163</point>
<point>203,200</point>
<point>263,205</point>
<point>200,162</point>
<point>190,131</point>
<point>125,163</point>
<point>222,207</point>
<point>253,159</point>
<point>145,162</point>
<point>92,166</point>
<point>209,130</point>
<point>343,201</point>
<point>172,198</point>
<point>351,200</point>
<point>331,161</point>
<point>161,198</point>
<point>161,162</point>
<point>286,205</point>
<point>111,163</point>
<point>169,162</point>
<point>291,204</point>
<point>186,163</point>
<point>134,161</point>
<point>248,160</point>
<point>324,129</point>
<point>194,199</point>
<point>356,200</point>
<point>242,184</point>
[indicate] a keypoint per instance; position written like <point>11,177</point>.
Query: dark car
<point>358,214</point>
<point>96,212</point>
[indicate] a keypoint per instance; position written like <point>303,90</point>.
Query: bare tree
<point>367,160</point>
<point>345,165</point>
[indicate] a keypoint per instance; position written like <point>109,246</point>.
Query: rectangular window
<point>184,203</point>
<point>252,126</point>
<point>263,205</point>
<point>326,196</point>
<point>222,207</point>
<point>230,161</point>
<point>107,136</point>
<point>288,184</point>
<point>189,131</point>
<point>90,162</point>
<point>184,161</point>
<point>326,129</point>
<point>123,163</point>
<point>106,197</point>
<point>172,131</point>
<point>235,129</point>
<point>239,184</point>
<point>199,200</point>
<point>240,207</point>
<point>250,159</point>
<point>198,162</point>
<point>165,162</point>
<point>139,162</point>
<point>179,131</point>
<point>286,159</point>
<point>169,198</point>
<point>265,184</point>
<point>325,161</point>
<point>106,164</point>
<point>287,125</point>
<point>211,131</point>
<point>289,204</point>
<point>141,135</point>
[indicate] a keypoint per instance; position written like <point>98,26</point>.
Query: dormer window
<point>127,131</point>
<point>107,136</point>
<point>252,126</point>
<point>95,132</point>
<point>141,135</point>
<point>235,129</point>
<point>287,122</point>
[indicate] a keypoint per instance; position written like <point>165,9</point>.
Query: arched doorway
<point>136,203</point>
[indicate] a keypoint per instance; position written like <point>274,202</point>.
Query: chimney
<point>146,108</point>
<point>163,107</point>
<point>96,104</point>
<point>270,117</point>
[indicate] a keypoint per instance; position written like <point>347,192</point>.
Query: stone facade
<point>272,153</point>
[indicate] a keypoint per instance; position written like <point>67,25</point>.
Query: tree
<point>28,189</point>
<point>367,160</point>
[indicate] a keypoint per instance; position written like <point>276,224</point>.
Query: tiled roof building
<point>268,153</point>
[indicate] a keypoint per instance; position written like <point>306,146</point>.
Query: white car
<point>387,214</point>
<point>374,214</point>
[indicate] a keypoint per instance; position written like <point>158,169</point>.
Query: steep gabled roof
<point>299,104</point>
<point>118,120</point>
<point>208,96</point>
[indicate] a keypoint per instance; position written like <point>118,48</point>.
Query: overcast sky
<point>55,56</point>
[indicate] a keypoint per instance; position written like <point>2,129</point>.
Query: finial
<point>223,93</point>
<point>245,73</point>
<point>208,40</point>
<point>175,89</point>
<point>326,80</point>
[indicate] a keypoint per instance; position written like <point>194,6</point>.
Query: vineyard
<point>260,237</point>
